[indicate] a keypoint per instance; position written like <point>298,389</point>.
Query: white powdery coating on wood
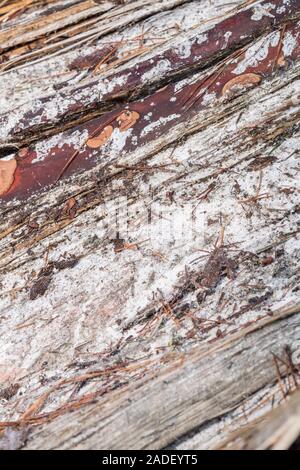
<point>280,9</point>
<point>262,10</point>
<point>158,123</point>
<point>226,37</point>
<point>77,140</point>
<point>186,81</point>
<point>208,98</point>
<point>157,71</point>
<point>44,148</point>
<point>89,300</point>
<point>116,143</point>
<point>33,80</point>
<point>41,76</point>
<point>184,49</point>
<point>58,105</point>
<point>202,38</point>
<point>289,43</point>
<point>11,121</point>
<point>257,53</point>
<point>106,287</point>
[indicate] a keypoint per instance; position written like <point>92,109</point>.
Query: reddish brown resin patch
<point>101,139</point>
<point>34,176</point>
<point>7,171</point>
<point>131,80</point>
<point>127,119</point>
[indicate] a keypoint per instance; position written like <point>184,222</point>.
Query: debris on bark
<point>149,239</point>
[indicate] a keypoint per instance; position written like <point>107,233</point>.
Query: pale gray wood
<point>99,312</point>
<point>277,430</point>
<point>154,414</point>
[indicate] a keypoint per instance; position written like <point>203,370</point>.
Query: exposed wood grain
<point>149,232</point>
<point>84,32</point>
<point>54,21</point>
<point>152,415</point>
<point>277,430</point>
<point>150,72</point>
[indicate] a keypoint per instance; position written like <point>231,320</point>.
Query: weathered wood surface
<point>187,52</point>
<point>278,429</point>
<point>149,191</point>
<point>176,403</point>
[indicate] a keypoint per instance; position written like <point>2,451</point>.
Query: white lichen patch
<point>75,140</point>
<point>109,85</point>
<point>8,123</point>
<point>148,116</point>
<point>257,53</point>
<point>161,121</point>
<point>262,10</point>
<point>226,37</point>
<point>201,38</point>
<point>179,85</point>
<point>208,98</point>
<point>157,71</point>
<point>280,9</point>
<point>113,148</point>
<point>289,43</point>
<point>184,49</point>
